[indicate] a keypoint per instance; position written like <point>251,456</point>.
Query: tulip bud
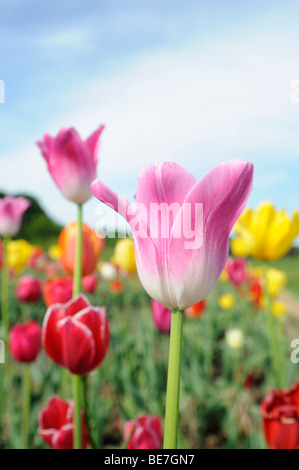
<point>11,213</point>
<point>144,432</point>
<point>124,255</point>
<point>161,317</point>
<point>56,425</point>
<point>25,341</point>
<point>58,290</point>
<point>28,289</point>
<point>89,283</point>
<point>280,414</point>
<point>76,335</point>
<point>91,248</point>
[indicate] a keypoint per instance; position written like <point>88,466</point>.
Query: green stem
<point>77,412</point>
<point>273,340</point>
<point>26,405</point>
<point>5,293</point>
<point>78,259</point>
<point>86,410</point>
<point>173,381</point>
<point>76,290</point>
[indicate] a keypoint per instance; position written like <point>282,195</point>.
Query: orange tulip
<point>196,310</point>
<point>92,246</point>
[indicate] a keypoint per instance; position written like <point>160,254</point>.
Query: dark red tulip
<point>76,335</point>
<point>144,432</point>
<point>280,414</point>
<point>28,289</point>
<point>56,424</point>
<point>25,341</point>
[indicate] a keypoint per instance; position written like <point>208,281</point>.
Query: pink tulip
<point>161,317</point>
<point>181,253</point>
<point>25,341</point>
<point>236,270</point>
<point>144,432</point>
<point>28,289</point>
<point>72,162</point>
<point>11,212</point>
<point>89,283</point>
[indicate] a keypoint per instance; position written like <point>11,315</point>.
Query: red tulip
<point>25,341</point>
<point>161,317</point>
<point>236,270</point>
<point>76,335</point>
<point>116,286</point>
<point>280,414</point>
<point>58,290</point>
<point>36,255</point>
<point>56,424</point>
<point>89,283</point>
<point>256,292</point>
<point>28,289</point>
<point>91,248</point>
<point>144,432</point>
<point>196,310</point>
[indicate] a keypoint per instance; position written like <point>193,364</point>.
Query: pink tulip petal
<point>223,192</point>
<point>93,143</point>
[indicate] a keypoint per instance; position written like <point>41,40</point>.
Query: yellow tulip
<point>124,255</point>
<point>278,309</point>
<point>54,252</point>
<point>276,281</point>
<point>265,233</point>
<point>226,301</point>
<point>18,253</point>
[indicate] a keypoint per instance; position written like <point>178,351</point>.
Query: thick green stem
<point>78,258</point>
<point>5,294</point>
<point>77,412</point>
<point>76,290</point>
<point>173,381</point>
<point>26,405</point>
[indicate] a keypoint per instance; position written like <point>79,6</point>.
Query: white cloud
<point>197,105</point>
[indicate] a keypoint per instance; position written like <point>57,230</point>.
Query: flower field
<point>99,353</point>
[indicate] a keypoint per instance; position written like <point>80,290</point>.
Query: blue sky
<point>196,82</point>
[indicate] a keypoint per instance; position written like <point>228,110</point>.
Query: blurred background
<point>196,82</point>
